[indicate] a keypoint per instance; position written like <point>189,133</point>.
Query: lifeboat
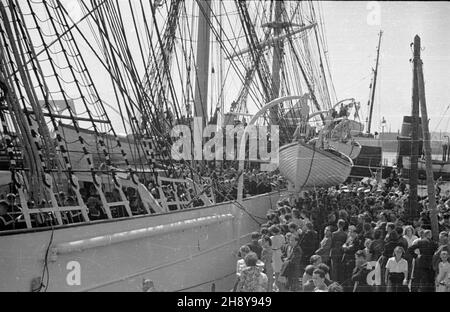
<point>351,149</point>
<point>306,165</point>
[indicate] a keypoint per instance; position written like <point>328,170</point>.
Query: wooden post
<point>414,176</point>
<point>426,143</point>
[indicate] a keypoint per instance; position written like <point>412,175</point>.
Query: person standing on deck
<point>397,272</point>
<point>254,245</point>
<point>278,241</point>
<point>292,264</point>
<point>309,243</point>
<point>423,250</point>
<point>251,278</point>
<point>443,277</point>
<point>360,272</point>
<point>338,239</point>
<point>325,246</point>
<point>266,257</point>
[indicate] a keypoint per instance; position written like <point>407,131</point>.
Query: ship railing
<point>169,188</point>
<point>52,212</point>
<point>206,193</point>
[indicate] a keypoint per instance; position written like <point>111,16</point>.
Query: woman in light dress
<point>408,234</point>
<point>278,241</point>
<point>266,257</point>
<point>443,277</point>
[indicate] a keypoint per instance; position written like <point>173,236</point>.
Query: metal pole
<point>374,84</point>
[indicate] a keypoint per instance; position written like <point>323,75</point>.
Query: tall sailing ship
<point>90,93</point>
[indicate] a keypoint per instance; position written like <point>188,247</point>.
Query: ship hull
<point>187,250</point>
<point>440,169</point>
<point>306,166</point>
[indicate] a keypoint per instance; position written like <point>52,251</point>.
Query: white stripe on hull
<point>187,258</point>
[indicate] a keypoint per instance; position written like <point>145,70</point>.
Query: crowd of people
<point>356,237</point>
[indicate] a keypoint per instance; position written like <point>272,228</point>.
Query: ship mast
<point>277,58</point>
<point>202,61</point>
<point>372,98</point>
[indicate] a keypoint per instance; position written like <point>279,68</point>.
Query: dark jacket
<point>338,239</point>
<point>324,250</point>
<point>309,242</point>
<point>360,275</point>
<point>390,245</point>
<point>427,249</point>
<point>256,248</point>
<point>292,265</point>
<point>376,248</point>
<point>252,188</point>
<point>350,250</point>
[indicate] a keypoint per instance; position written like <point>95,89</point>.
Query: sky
<point>352,35</point>
<point>351,29</point>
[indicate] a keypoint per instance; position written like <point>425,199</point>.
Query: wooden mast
<point>427,147</point>
<point>414,176</point>
<point>32,154</point>
<point>374,84</point>
<point>277,57</point>
<point>202,61</point>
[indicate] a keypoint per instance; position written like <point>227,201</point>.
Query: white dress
<point>410,240</point>
<point>277,242</point>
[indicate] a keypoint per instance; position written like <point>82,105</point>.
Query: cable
<point>45,270</point>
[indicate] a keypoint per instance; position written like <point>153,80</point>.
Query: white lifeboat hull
<point>307,166</point>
